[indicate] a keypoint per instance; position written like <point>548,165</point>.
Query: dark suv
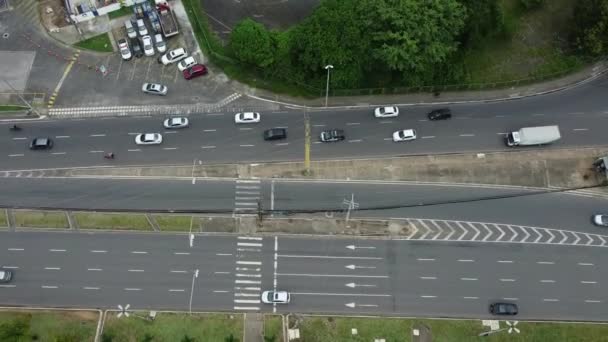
<point>440,114</point>
<point>41,144</point>
<point>501,309</point>
<point>136,46</point>
<point>275,134</point>
<point>332,135</point>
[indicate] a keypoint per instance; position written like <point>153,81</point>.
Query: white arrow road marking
<point>352,267</point>
<point>428,230</point>
<point>353,285</point>
<point>353,247</point>
<point>502,232</point>
<point>477,232</point>
<point>354,305</point>
<point>439,230</point>
<point>464,231</point>
<point>489,232</point>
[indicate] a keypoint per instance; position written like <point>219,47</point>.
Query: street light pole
<point>194,276</point>
<point>327,67</point>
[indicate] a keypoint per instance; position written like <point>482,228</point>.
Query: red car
<point>195,71</point>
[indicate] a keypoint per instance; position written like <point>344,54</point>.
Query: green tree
<point>251,43</point>
<point>332,34</point>
<point>413,36</point>
<point>484,18</point>
<point>15,330</point>
<point>187,338</point>
<point>590,33</point>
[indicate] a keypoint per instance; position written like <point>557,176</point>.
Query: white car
<point>386,112</point>
<point>148,139</point>
<point>247,117</point>
<point>186,63</point>
<point>160,44</point>
<point>176,123</point>
<point>125,50</point>
<point>141,27</point>
<point>279,297</point>
<point>154,89</point>
<point>600,220</point>
<point>404,135</point>
<point>173,56</point>
<point>148,47</point>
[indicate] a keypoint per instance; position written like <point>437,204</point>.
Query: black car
<point>136,46</point>
<point>41,144</point>
<point>275,134</point>
<point>5,276</point>
<point>440,114</point>
<point>508,309</point>
<point>332,135</point>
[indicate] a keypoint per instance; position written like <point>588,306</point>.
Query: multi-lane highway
<point>324,275</point>
<point>215,138</point>
<point>375,199</point>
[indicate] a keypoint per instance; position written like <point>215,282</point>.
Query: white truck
<point>528,136</point>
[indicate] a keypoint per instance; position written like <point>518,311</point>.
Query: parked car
<point>148,139</point>
<point>275,134</point>
<point>176,123</point>
<point>173,56</point>
<point>148,47</point>
<point>41,143</point>
<point>386,112</point>
<point>332,135</point>
<point>138,50</point>
<point>440,114</point>
<point>195,71</point>
<point>141,27</point>
<point>600,220</point>
<point>278,297</point>
<point>501,309</point>
<point>186,63</point>
<point>154,89</point>
<point>131,33</point>
<point>5,276</point>
<point>404,135</point>
<point>247,117</point>
<point>125,50</point>
<point>160,44</point>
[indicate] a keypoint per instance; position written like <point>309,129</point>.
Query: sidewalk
<point>585,75</point>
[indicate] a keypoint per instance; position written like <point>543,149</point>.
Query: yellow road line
<point>63,77</point>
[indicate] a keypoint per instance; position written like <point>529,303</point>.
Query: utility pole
<point>351,205</point>
<point>327,67</point>
<point>30,108</point>
<point>194,276</point>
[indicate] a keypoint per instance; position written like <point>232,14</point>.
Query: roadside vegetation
<point>122,12</point>
<point>340,329</point>
<point>40,219</point>
<point>3,218</point>
<point>64,326</point>
<point>382,46</point>
<point>100,43</point>
<point>11,108</point>
<point>171,327</point>
<point>273,328</point>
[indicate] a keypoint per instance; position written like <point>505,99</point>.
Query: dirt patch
<point>53,14</point>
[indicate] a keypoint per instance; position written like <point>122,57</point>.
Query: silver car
<point>148,139</point>
<point>176,123</point>
<point>154,89</point>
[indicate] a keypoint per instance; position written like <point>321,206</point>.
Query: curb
<point>593,76</point>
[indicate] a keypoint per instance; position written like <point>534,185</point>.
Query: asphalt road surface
<point>215,138</point>
<point>551,210</point>
<point>323,275</point>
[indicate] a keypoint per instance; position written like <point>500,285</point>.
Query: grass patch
<point>48,325</point>
<point>112,221</point>
<point>99,43</point>
<point>174,222</point>
<point>123,11</point>
<point>273,328</point>
<point>171,327</point>
<point>40,219</point>
<point>3,218</point>
<point>10,108</point>
<point>322,329</point>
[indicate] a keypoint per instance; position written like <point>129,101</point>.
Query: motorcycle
<point>109,156</point>
<point>15,128</point>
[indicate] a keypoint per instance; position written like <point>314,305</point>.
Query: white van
<point>131,33</point>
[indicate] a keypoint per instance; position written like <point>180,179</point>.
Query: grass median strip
<point>112,221</point>
<point>40,219</point>
<point>175,327</point>
<point>10,108</point>
<point>3,218</point>
<point>273,328</point>
<point>99,43</point>
<point>48,325</point>
<point>338,329</point>
<point>174,223</point>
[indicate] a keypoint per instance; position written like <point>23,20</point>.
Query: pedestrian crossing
<point>248,273</point>
<point>247,196</point>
